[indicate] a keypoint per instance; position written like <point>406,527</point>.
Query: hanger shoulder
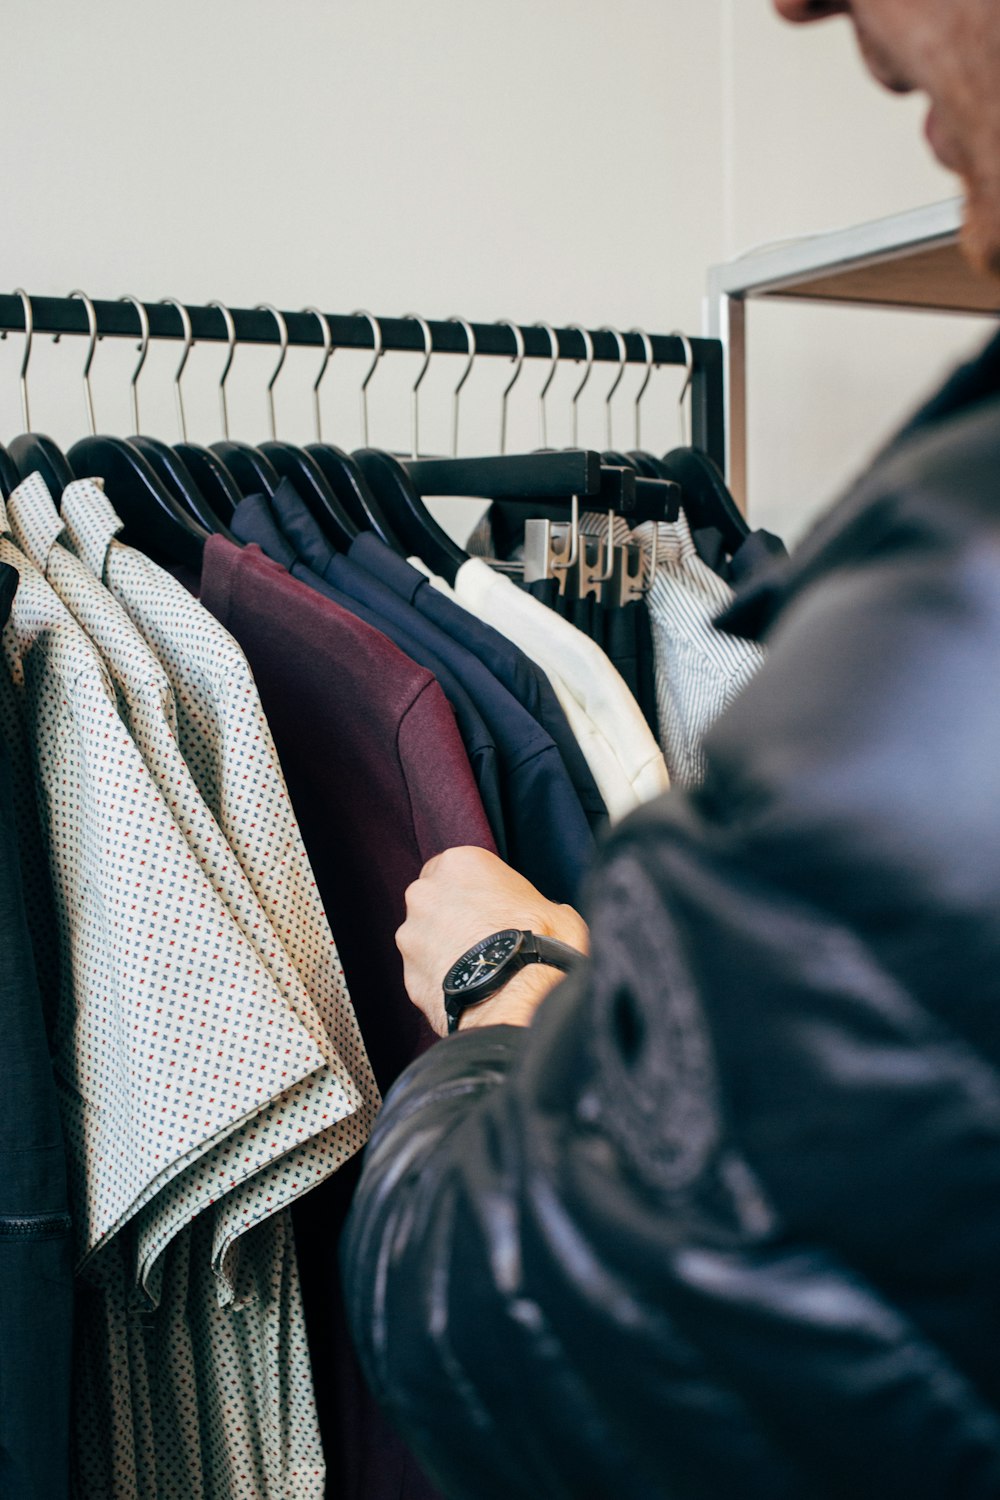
<point>33,453</point>
<point>212,478</point>
<point>409,517</point>
<point>301,468</point>
<point>354,492</point>
<point>249,468</point>
<point>9,477</point>
<point>154,521</point>
<point>177,479</point>
<point>706,500</point>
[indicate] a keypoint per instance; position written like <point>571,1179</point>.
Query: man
<point>722,1217</point>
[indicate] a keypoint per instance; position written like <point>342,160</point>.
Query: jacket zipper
<point>26,1225</point>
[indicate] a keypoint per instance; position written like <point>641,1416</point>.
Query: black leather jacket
<point>725,1222</point>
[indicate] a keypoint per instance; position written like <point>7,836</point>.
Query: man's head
<point>950,51</point>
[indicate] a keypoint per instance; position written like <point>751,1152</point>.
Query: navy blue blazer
<point>549,840</point>
<point>508,663</point>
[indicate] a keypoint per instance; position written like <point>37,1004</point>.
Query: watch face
<point>481,963</point>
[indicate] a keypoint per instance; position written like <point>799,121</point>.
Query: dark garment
<point>380,783</point>
<point>548,838</point>
<point>36,1272</point>
<point>758,551</point>
<point>726,1220</point>
<point>711,549</point>
<point>254,521</point>
<point>509,665</point>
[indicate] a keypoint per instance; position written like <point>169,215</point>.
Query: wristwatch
<point>486,967</point>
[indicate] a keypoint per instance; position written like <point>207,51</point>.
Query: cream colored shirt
<point>624,758</point>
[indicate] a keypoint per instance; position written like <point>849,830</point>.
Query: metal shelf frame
<point>910,260</point>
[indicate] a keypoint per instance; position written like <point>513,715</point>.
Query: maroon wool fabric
<point>380,781</point>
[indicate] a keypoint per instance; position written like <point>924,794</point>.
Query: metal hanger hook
<point>588,344</point>
<point>573,555</point>
<point>554,351</point>
<point>686,387</point>
<point>29,333</point>
<point>647,349</point>
<point>414,394</point>
<point>92,345</point>
<point>324,323</point>
<point>185,318</point>
<point>227,318</point>
<point>143,347</point>
<point>376,328</point>
<point>622,358</point>
<point>609,562</point>
<point>518,361</point>
<point>283,341</point>
<point>471,339</point>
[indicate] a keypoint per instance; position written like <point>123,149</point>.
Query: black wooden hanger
<point>354,492</point>
<point>302,469</point>
<point>646,464</point>
<point>32,452</point>
<point>212,478</point>
<point>619,460</point>
<point>342,476</point>
<point>409,517</point>
<point>154,520</point>
<point>706,499</point>
<point>571,471</point>
<point>261,470</point>
<point>9,476</point>
<point>209,473</point>
<point>175,476</point>
<point>416,530</point>
<point>252,472</point>
<point>171,470</point>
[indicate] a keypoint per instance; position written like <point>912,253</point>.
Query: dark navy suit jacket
<point>548,837</point>
<point>508,663</point>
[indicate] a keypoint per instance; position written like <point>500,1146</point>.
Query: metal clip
<point>627,584</point>
<point>548,551</point>
<point>590,567</point>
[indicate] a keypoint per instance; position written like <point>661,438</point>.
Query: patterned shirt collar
<point>90,521</point>
<point>35,520</point>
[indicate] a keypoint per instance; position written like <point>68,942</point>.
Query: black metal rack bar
<point>68,315</point>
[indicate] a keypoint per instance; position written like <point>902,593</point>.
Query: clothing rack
<point>68,315</point>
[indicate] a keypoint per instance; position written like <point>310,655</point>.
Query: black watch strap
<point>545,950</point>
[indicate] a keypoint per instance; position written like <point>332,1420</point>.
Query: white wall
<point>530,159</point>
<point>574,160</point>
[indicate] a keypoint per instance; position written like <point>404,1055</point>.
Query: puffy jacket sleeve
<point>726,1220</point>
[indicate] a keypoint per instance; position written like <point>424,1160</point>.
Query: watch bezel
<point>468,993</point>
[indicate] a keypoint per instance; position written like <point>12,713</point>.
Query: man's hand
<point>462,896</point>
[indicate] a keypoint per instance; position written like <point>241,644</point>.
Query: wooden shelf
<point>938,279</point>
